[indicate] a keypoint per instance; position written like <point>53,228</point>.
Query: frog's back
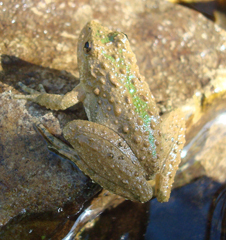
<point>117,95</point>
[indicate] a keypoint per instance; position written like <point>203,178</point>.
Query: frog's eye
<point>87,47</point>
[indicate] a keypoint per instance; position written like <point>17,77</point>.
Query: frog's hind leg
<point>102,155</point>
<point>108,160</point>
<point>173,139</point>
<point>52,101</point>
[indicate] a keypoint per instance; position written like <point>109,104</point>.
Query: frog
<point>125,145</point>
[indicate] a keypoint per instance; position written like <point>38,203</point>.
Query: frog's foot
<point>31,90</point>
<point>52,101</point>
<point>32,93</point>
<point>173,139</point>
<point>56,145</point>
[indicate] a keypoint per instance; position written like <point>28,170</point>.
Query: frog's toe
<point>41,88</point>
<point>27,89</point>
<point>27,97</point>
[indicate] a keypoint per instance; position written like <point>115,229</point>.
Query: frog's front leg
<point>53,101</point>
<point>108,160</point>
<point>173,139</point>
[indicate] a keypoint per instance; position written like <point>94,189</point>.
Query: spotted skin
<point>125,143</point>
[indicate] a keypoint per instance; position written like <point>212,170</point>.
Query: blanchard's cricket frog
<point>125,143</point>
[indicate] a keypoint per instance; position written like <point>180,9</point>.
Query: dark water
<point>196,211</point>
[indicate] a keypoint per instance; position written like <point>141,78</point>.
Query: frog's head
<point>103,53</point>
